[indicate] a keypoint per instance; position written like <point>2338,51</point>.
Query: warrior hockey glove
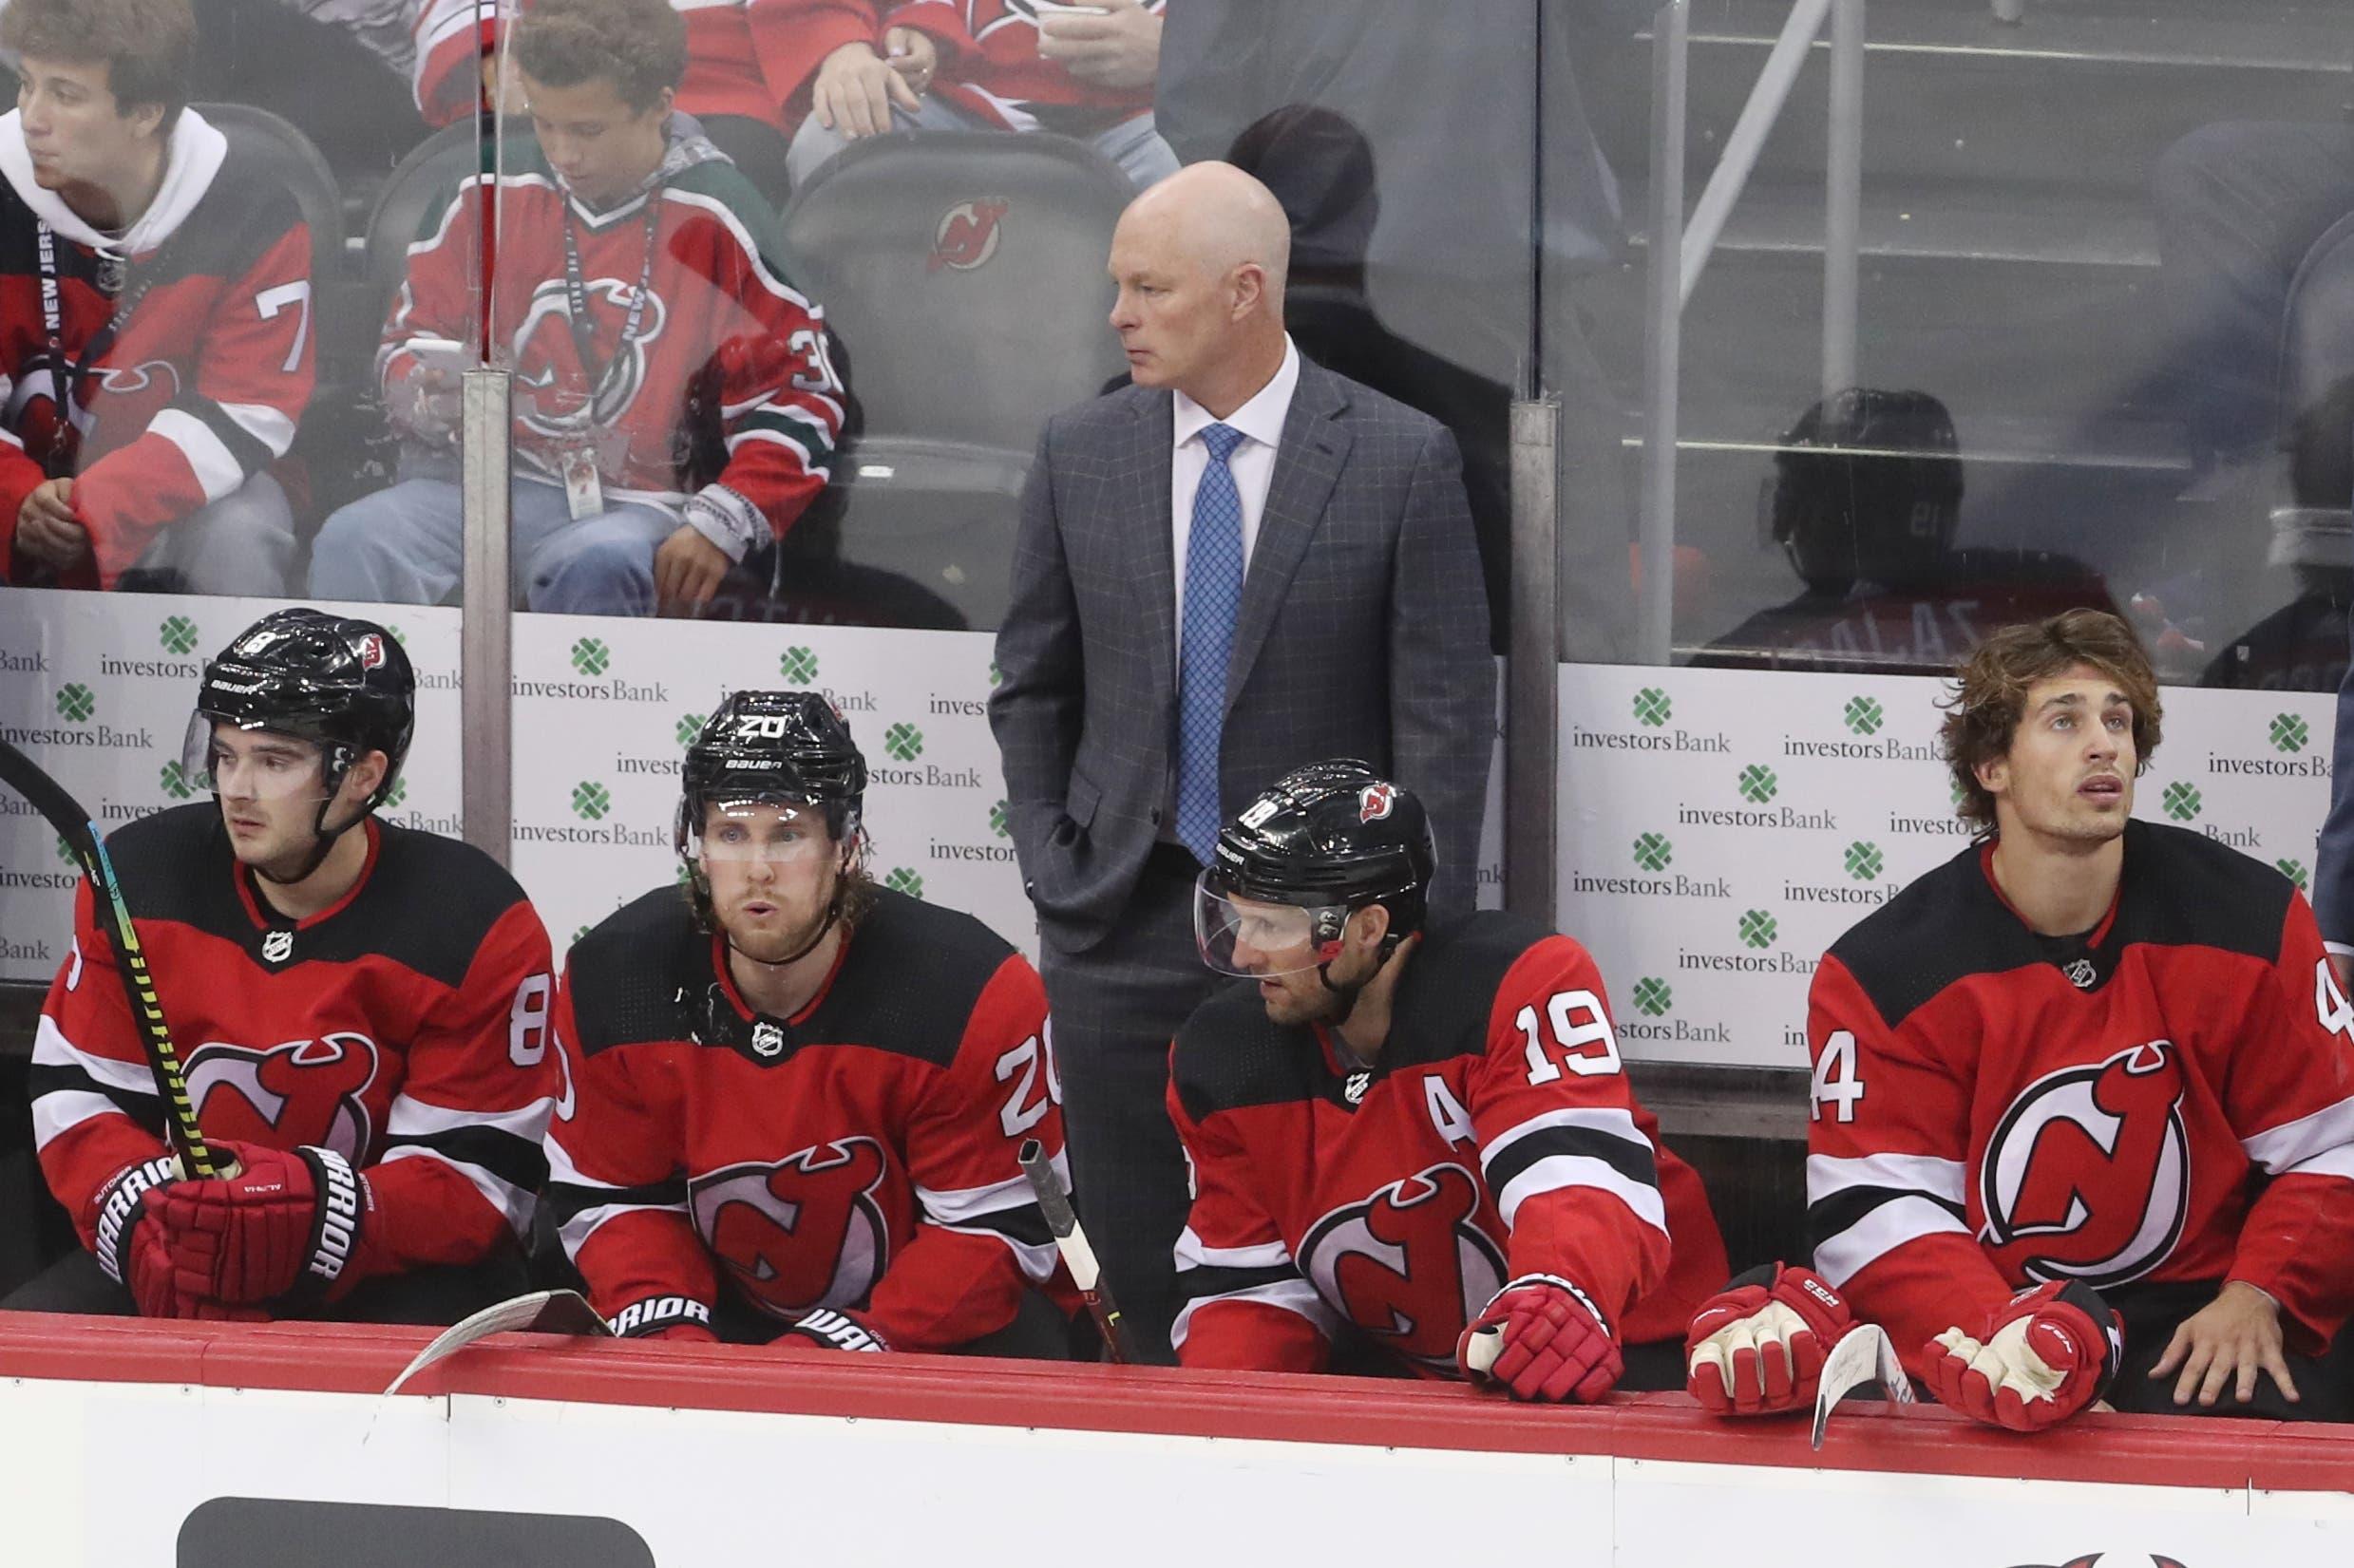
<point>1758,1346</point>
<point>833,1331</point>
<point>2035,1362</point>
<point>287,1223</point>
<point>1543,1338</point>
<point>130,1247</point>
<point>665,1317</point>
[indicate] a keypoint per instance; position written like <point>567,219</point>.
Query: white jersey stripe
<point>1291,1295</point>
<point>1559,1172</point>
<point>1829,1175</point>
<point>2294,1142</point>
<point>1883,1230</point>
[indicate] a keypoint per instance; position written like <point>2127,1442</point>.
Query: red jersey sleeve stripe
<point>1595,1146</point>
<point>2293,1144</point>
<point>1863,1209</point>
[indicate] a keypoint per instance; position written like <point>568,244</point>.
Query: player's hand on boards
<point>687,569</point>
<point>2034,1362</point>
<point>1120,50</point>
<point>2227,1343</point>
<point>1757,1347</point>
<point>826,1329</point>
<point>1542,1338</point>
<point>854,91</point>
<point>285,1219</point>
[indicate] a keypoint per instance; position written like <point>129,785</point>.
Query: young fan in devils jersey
<point>797,1098</point>
<point>361,1008</point>
<point>676,406</point>
<point>1421,1135</point>
<point>1078,71</point>
<point>2084,1095</point>
<point>155,287</point>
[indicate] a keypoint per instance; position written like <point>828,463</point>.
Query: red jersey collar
<point>736,998</point>
<point>2091,939</point>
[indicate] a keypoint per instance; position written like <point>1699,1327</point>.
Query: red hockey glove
<point>130,1248</point>
<point>287,1223</point>
<point>1543,1338</point>
<point>1757,1347</point>
<point>831,1330</point>
<point>665,1317</point>
<point>2035,1362</point>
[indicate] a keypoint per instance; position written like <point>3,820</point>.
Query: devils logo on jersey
<point>548,361</point>
<point>967,237</point>
<point>1409,1264</point>
<point>303,1092</point>
<point>2088,1174</point>
<point>803,1233</point>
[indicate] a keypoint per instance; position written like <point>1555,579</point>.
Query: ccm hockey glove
<point>1542,1338</point>
<point>1757,1347</point>
<point>287,1223</point>
<point>2034,1362</point>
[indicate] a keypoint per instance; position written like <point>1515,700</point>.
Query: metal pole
<point>1843,196</point>
<point>1747,136</point>
<point>1532,668</point>
<point>1662,335</point>
<point>485,656</point>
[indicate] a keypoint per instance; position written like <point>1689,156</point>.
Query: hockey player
<point>796,1097</point>
<point>1419,1136</point>
<point>675,405</point>
<point>360,1011</point>
<point>157,341</point>
<point>2083,1098</point>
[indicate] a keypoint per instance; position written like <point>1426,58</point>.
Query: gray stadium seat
<point>965,275</point>
<point>258,137</point>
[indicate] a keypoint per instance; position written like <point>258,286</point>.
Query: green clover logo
<point>2182,800</point>
<point>2289,733</point>
<point>997,677</point>
<point>591,801</point>
<point>1757,928</point>
<point>2294,871</point>
<point>690,726</point>
<point>175,782</point>
<point>903,881</point>
<point>177,634</point>
<point>75,702</point>
<point>1953,787</point>
<point>394,796</point>
<point>904,742</point>
<point>1652,708</point>
<point>63,853</point>
<point>1864,716</point>
<point>397,634</point>
<point>997,819</point>
<point>797,664</point>
<point>578,935</point>
<point>1653,852</point>
<point>1862,861</point>
<point>1759,783</point>
<point>1652,996</point>
<point>591,657</point>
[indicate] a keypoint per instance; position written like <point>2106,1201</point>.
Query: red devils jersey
<point>405,1028</point>
<point>860,1154</point>
<point>726,46</point>
<point>2169,1097</point>
<point>201,383</point>
<point>724,377</point>
<point>991,68</point>
<point>1497,1137</point>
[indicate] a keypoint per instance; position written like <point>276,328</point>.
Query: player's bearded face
<point>2069,773</point>
<point>1289,971</point>
<point>773,869</point>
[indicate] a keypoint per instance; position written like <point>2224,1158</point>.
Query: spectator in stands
<point>1239,564</point>
<point>1079,70</point>
<point>159,294</point>
<point>676,405</point>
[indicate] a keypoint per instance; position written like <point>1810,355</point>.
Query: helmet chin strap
<point>323,845</point>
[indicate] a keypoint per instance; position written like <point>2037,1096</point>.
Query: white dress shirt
<point>1261,422</point>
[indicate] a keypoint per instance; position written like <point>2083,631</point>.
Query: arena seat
<point>965,271</point>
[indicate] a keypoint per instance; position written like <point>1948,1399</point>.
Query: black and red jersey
<point>2168,1097</point>
<point>200,384</point>
<point>1496,1137</point>
<point>859,1155</point>
<point>405,1028</point>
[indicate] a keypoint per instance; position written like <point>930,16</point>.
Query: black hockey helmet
<point>787,746</point>
<point>1868,487</point>
<point>343,683</point>
<point>1327,839</point>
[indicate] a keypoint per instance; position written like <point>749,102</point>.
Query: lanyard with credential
<point>63,381</point>
<point>576,300</point>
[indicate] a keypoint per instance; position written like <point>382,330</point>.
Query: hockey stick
<point>80,834</point>
<point>1055,1203</point>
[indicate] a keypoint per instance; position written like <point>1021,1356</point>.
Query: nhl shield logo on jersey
<point>302,1092</point>
<point>1409,1265</point>
<point>277,946</point>
<point>767,1040</point>
<point>1375,801</point>
<point>2088,1174</point>
<point>803,1233</point>
<point>967,236</point>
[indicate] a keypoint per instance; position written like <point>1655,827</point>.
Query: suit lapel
<point>1143,505</point>
<point>1307,465</point>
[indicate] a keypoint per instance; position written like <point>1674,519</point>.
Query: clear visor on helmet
<point>1258,940</point>
<point>766,829</point>
<point>251,764</point>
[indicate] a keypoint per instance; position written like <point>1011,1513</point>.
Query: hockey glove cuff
<point>832,1331</point>
<point>1542,1338</point>
<point>2034,1362</point>
<point>288,1225</point>
<point>1757,1347</point>
<point>664,1317</point>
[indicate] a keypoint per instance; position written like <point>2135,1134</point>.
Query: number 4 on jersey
<point>1836,1081</point>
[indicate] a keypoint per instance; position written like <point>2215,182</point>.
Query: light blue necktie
<point>1213,598</point>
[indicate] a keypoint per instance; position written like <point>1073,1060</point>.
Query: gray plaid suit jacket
<point>1363,633</point>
